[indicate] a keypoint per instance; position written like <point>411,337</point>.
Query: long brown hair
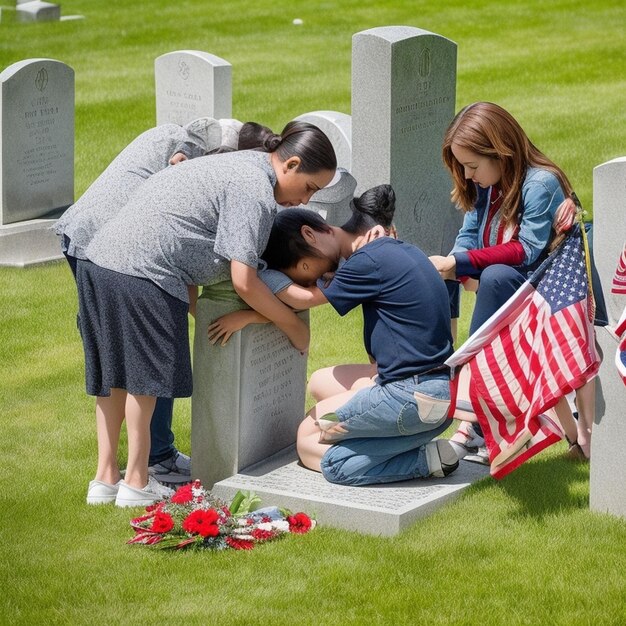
<point>491,131</point>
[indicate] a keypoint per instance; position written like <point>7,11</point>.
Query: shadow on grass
<point>544,487</point>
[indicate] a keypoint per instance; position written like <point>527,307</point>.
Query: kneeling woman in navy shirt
<point>381,433</point>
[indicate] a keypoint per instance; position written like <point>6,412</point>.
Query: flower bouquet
<point>193,518</point>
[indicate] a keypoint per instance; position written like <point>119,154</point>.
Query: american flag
<point>536,348</point>
<point>619,287</point>
<point>619,280</point>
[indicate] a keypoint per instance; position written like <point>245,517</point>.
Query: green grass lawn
<point>525,550</point>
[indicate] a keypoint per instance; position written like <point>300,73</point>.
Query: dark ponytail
<point>286,245</point>
<point>305,141</point>
<point>375,207</point>
<point>253,136</point>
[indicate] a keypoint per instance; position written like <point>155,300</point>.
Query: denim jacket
<point>541,196</point>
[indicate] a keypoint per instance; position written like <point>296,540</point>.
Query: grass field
<point>525,550</point>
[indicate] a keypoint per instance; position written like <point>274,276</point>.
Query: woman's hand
<point>565,216</point>
<point>179,157</point>
<point>230,323</point>
<point>445,265</point>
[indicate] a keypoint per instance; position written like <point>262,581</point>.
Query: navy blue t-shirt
<point>406,311</point>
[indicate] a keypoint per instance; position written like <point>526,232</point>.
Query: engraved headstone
<point>403,99</point>
<point>191,84</point>
<point>375,510</point>
<point>607,485</point>
<point>338,128</point>
<point>37,156</point>
<point>249,395</point>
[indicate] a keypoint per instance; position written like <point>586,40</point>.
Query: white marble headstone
<point>403,99</point>
<point>191,84</point>
<point>36,139</point>
<point>607,485</point>
<point>338,128</point>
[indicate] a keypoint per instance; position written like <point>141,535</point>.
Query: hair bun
<point>271,142</point>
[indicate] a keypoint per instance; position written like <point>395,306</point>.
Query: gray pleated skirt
<point>135,335</point>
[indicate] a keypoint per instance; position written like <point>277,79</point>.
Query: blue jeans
<point>161,435</point>
<point>386,436</point>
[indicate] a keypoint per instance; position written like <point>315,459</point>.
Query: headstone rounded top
<point>611,162</point>
<point>12,69</point>
<point>206,56</point>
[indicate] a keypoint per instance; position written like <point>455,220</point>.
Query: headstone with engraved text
<point>191,84</point>
<point>403,99</point>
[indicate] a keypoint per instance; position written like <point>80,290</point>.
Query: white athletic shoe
<point>102,493</point>
<point>151,493</point>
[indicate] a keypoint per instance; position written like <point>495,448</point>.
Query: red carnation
<point>183,495</point>
<point>299,523</point>
<point>162,522</point>
<point>262,535</point>
<point>203,523</point>
<point>240,544</point>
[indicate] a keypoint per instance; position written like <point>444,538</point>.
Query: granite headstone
<point>249,395</point>
<point>338,128</point>
<point>37,11</point>
<point>403,99</point>
<point>607,484</point>
<point>191,84</point>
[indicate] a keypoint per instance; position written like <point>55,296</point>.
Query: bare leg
<point>310,450</point>
<point>330,381</point>
<point>586,405</point>
<point>109,418</point>
<point>566,419</point>
<point>139,411</point>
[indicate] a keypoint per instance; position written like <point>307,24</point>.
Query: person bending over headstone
<point>149,153</point>
<point>382,432</point>
<point>197,223</point>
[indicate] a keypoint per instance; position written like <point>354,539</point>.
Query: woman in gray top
<point>204,220</point>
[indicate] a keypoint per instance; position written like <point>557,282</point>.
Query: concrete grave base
<point>29,243</point>
<point>376,510</point>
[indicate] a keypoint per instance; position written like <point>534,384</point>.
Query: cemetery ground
<point>522,550</point>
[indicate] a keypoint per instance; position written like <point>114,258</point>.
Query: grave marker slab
<point>607,483</point>
<point>249,395</point>
<point>403,99</point>
<point>376,510</point>
<point>338,128</point>
<point>36,139</point>
<point>191,84</point>
<point>37,11</point>
<point>333,202</point>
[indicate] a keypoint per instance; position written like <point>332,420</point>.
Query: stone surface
<point>375,510</point>
<point>191,84</point>
<point>333,202</point>
<point>36,11</point>
<point>607,485</point>
<point>29,243</point>
<point>249,395</point>
<point>338,128</point>
<point>37,139</point>
<point>403,99</point>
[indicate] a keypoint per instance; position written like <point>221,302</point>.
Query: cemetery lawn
<point>524,550</point>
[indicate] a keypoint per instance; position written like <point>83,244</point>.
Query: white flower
<point>282,525</point>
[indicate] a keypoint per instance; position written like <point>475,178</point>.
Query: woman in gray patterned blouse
<point>205,220</point>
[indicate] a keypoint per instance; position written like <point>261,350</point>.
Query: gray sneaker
<point>175,470</point>
<point>481,456</point>
<point>441,457</point>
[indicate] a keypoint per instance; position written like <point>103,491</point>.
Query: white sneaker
<point>102,493</point>
<point>441,458</point>
<point>131,496</point>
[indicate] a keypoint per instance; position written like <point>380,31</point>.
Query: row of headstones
<point>403,98</point>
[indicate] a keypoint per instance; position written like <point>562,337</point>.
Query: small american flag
<point>536,348</point>
<point>619,280</point>
<point>619,287</point>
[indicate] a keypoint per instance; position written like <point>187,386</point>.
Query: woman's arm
<point>255,294</point>
<point>300,298</point>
